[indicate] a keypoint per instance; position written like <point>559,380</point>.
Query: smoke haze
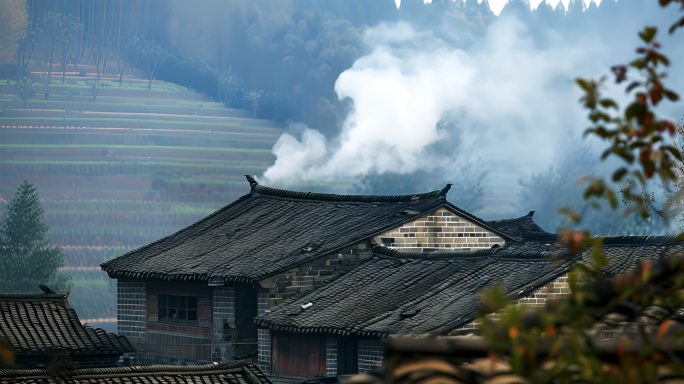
<point>505,97</point>
<point>502,92</point>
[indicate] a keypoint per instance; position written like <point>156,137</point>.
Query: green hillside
<point>125,168</point>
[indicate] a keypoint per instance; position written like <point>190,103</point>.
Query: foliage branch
<point>566,330</point>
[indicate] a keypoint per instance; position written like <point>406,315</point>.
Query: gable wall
<point>440,230</point>
<point>556,289</point>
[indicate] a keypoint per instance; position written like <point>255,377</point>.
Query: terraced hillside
<point>117,167</point>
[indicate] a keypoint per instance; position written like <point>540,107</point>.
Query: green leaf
<point>638,63</point>
<point>607,103</point>
<point>583,84</point>
<point>634,111</point>
<point>600,260</point>
<point>596,116</point>
<point>617,176</point>
<point>631,86</point>
<point>670,95</point>
<point>674,151</point>
<point>663,59</point>
<point>637,144</point>
<point>648,34</point>
<point>606,153</point>
<point>678,238</point>
<point>666,174</point>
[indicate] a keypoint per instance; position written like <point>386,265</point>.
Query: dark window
<point>178,309</point>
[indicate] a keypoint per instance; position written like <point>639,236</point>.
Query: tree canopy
<point>26,257</point>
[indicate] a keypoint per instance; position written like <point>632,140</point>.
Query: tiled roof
<point>622,329</point>
<point>623,252</point>
<point>270,230</point>
<point>516,227</point>
<point>414,293</point>
<point>231,372</point>
<point>442,287</point>
<point>32,323</point>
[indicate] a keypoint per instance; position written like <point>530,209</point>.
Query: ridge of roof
<point>239,367</point>
<point>498,252</point>
<point>34,296</point>
<point>514,220</point>
<point>607,240</point>
<point>318,196</point>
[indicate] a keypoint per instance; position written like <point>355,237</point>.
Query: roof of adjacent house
<point>418,293</point>
<point>228,372</point>
<point>516,227</point>
<point>34,322</point>
<point>270,230</point>
<point>626,328</point>
<point>414,293</point>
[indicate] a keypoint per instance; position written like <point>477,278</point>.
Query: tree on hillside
<point>558,186</point>
<point>26,258</point>
<point>12,25</point>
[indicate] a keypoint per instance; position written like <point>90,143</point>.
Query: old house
<point>412,293</point>
<point>193,295</point>
<point>313,281</point>
<point>35,324</point>
<point>615,332</point>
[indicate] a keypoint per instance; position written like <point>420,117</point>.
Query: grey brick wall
<point>370,355</point>
<point>131,310</point>
<point>305,277</point>
<point>331,358</point>
<point>223,312</point>
<point>264,335</point>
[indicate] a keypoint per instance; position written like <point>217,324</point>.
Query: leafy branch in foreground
<point>565,341</point>
<point>567,332</point>
<point>636,137</point>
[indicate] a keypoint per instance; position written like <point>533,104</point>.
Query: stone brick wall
<point>556,289</point>
<point>303,278</point>
<point>370,355</point>
<point>441,230</point>
<point>131,308</point>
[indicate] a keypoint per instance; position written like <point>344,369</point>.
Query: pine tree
<point>26,258</point>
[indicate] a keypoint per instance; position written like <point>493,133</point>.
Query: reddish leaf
<point>572,239</point>
<point>641,98</point>
<point>620,72</point>
<point>664,326</point>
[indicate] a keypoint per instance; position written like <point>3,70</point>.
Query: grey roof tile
<point>414,293</point>
<point>438,292</point>
<point>234,372</point>
<point>32,323</point>
<point>270,230</point>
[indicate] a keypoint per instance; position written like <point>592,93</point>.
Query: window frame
<point>177,304</point>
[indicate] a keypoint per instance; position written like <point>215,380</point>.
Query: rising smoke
<point>506,90</point>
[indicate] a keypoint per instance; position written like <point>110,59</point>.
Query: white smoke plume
<point>507,92</point>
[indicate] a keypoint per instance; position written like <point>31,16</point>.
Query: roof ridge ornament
<point>446,189</point>
<point>252,182</point>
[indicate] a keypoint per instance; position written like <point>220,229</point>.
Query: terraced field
<point>124,168</point>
